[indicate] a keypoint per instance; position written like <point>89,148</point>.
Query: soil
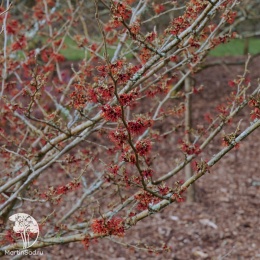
<point>223,223</point>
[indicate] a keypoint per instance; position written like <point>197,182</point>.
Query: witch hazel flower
<point>139,126</point>
<point>143,147</point>
<point>111,113</point>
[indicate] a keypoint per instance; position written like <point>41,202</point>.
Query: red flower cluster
<point>208,117</point>
<point>147,173</point>
<point>85,242</point>
<point>121,10</point>
<point>232,83</point>
<point>113,169</point>
<point>255,104</point>
<point>58,57</point>
<point>124,74</point>
<point>201,166</point>
<point>12,27</point>
<point>194,43</point>
<point>135,28</point>
<point>105,91</point>
<point>116,67</point>
<point>118,137</point>
<point>81,40</point>
<point>194,8</point>
<point>78,97</point>
<point>111,113</point>
<point>39,11</point>
<point>129,157</point>
<point>164,190</point>
<point>230,16</point>
<point>219,40</point>
<point>92,95</point>
<point>102,70</point>
<point>19,44</point>
<point>114,226</point>
<point>143,147</point>
<point>178,197</point>
<point>145,55</point>
<point>139,126</point>
<point>126,99</point>
<point>54,194</point>
<point>150,36</point>
<point>189,149</point>
<point>223,110</point>
<point>179,24</point>
<point>145,200</point>
<point>68,187</point>
<point>174,58</point>
<point>158,8</point>
<point>230,139</point>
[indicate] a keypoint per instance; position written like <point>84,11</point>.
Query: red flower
<point>231,17</point>
<point>174,58</point>
<point>106,92</point>
<point>121,10</point>
<point>150,36</point>
<point>111,113</point>
<point>78,97</point>
<point>135,28</point>
<point>147,173</point>
<point>164,190</point>
<point>126,99</point>
<point>139,126</point>
<point>114,226</point>
<point>58,57</point>
<point>223,110</point>
<point>12,27</point>
<point>143,147</point>
<point>159,8</point>
<point>19,44</point>
<point>113,169</point>
<point>85,242</point>
<point>146,199</point>
<point>255,114</point>
<point>102,69</point>
<point>255,104</point>
<point>201,166</point>
<point>129,157</point>
<point>230,139</point>
<point>119,136</point>
<point>232,83</point>
<point>62,190</point>
<point>145,55</point>
<point>190,149</point>
<point>208,118</point>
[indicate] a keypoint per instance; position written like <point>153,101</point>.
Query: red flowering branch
<point>108,114</point>
<point>101,229</point>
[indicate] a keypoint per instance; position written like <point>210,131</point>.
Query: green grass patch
<point>236,47</point>
<point>233,48</point>
<point>73,53</point>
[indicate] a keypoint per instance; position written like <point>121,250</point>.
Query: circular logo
<point>27,227</point>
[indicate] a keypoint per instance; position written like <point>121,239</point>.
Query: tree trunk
<point>188,170</point>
